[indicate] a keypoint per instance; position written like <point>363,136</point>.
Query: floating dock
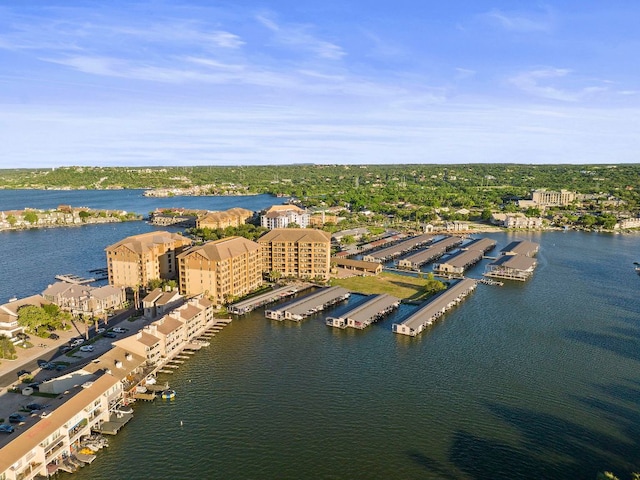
<point>434,309</point>
<point>310,304</point>
<point>429,254</point>
<point>75,279</point>
<point>366,313</point>
<point>115,423</point>
<point>250,304</point>
<point>398,249</point>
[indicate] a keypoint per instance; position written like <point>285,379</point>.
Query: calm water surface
<point>527,381</point>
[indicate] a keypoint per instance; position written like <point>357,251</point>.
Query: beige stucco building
<point>226,268</point>
<point>297,252</point>
<point>137,259</point>
<point>234,217</point>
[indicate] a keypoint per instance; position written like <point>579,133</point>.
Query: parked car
<point>34,385</point>
<point>42,362</point>
<point>49,366</point>
<point>23,372</point>
<point>35,406</point>
<point>100,330</point>
<point>23,336</point>
<point>60,367</point>
<point>109,335</point>
<point>54,336</point>
<point>6,428</point>
<point>87,348</point>
<point>65,349</point>
<point>17,418</point>
<point>76,342</point>
<point>119,330</point>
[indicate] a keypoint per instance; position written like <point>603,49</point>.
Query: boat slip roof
<point>402,247</point>
<point>434,250</point>
<point>438,303</point>
<point>370,308</point>
<point>316,299</point>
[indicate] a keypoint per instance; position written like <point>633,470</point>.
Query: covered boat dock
<point>366,313</point>
<point>398,249</point>
<point>308,305</point>
<point>250,304</point>
<point>435,251</point>
<point>437,307</point>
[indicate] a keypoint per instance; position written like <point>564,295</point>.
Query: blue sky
<point>350,81</point>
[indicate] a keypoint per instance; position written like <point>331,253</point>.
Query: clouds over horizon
<point>386,67</point>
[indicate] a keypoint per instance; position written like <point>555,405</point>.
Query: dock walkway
<point>309,304</point>
<point>437,307</point>
<point>250,304</point>
<point>366,313</point>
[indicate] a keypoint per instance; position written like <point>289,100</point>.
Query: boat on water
<point>168,394</point>
<point>637,267</point>
<point>150,380</point>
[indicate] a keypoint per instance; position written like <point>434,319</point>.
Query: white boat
<point>150,380</point>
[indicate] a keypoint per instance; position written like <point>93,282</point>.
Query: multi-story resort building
<point>297,252</point>
<point>137,259</point>
<point>544,198</point>
<point>223,269</point>
<point>280,216</point>
<point>84,299</point>
<point>234,217</point>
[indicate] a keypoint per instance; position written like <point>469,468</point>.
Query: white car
<point>100,330</point>
<point>76,342</point>
<point>87,348</point>
<point>118,330</point>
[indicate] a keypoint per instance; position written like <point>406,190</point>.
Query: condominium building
<point>546,198</point>
<point>223,269</point>
<point>136,260</point>
<point>234,217</point>
<point>280,216</point>
<point>297,252</point>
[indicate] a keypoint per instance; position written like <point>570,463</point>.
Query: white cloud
<point>298,36</point>
<point>521,22</point>
<point>536,83</point>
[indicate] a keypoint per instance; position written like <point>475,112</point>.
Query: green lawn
<point>400,286</point>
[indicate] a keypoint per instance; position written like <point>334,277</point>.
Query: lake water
<point>538,380</point>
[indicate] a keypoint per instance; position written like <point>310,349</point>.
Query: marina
<point>435,251</point>
<point>272,296</point>
<point>516,262</point>
<point>309,304</point>
<point>435,308</point>
<point>363,315</point>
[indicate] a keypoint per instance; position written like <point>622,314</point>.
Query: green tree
<point>7,348</point>
<point>12,220</point>
<point>84,215</point>
<point>32,318</point>
<point>31,217</point>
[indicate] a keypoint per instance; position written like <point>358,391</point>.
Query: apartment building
<point>297,252</point>
<point>223,269</point>
<point>545,198</point>
<point>137,259</point>
<point>234,217</point>
<point>280,216</point>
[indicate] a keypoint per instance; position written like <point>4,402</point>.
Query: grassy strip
<point>400,286</point>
